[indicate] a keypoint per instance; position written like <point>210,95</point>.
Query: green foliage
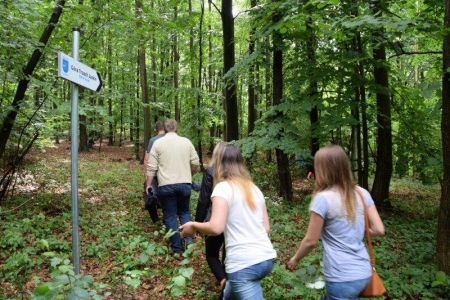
<point>122,253</point>
<point>65,284</point>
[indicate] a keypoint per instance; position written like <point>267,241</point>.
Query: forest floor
<point>110,189</point>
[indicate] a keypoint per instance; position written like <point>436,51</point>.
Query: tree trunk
<point>232,127</point>
<point>365,131</point>
<point>83,145</point>
<point>443,232</point>
<point>137,118</point>
<point>199,97</point>
<point>284,174</point>
<point>176,62</point>
<point>251,82</point>
<point>110,110</point>
<point>383,173</point>
<point>314,113</point>
<point>143,78</point>
<point>8,123</point>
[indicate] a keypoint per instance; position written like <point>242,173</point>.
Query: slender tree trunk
<point>143,77</point>
<point>267,89</point>
<point>137,118</point>
<point>83,145</point>
<point>199,98</point>
<point>284,174</point>
<point>443,233</point>
<point>110,87</point>
<point>176,61</point>
<point>251,82</point>
<point>19,97</point>
<point>232,124</point>
<point>314,113</point>
<point>365,130</point>
<point>383,173</point>
<point>213,127</point>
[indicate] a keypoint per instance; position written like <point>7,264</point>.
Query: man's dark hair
<point>159,126</point>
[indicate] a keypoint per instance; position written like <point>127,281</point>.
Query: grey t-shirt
<point>152,140</point>
<point>345,257</point>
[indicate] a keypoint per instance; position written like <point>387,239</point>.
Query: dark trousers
<point>212,247</point>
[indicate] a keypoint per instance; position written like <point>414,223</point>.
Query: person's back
<point>172,157</point>
<point>174,154</point>
<point>337,218</point>
<point>239,211</point>
<point>342,239</point>
<point>247,241</point>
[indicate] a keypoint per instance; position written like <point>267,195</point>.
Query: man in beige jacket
<point>173,157</point>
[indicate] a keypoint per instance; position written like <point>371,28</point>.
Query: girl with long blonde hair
<point>239,211</point>
<point>337,218</point>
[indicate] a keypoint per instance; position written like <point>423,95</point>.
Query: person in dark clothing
<point>152,206</point>
<point>213,244</point>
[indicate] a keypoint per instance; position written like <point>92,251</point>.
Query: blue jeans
<point>175,200</point>
<point>244,284</point>
<point>348,290</point>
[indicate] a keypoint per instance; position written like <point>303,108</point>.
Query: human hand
<point>291,264</point>
<point>148,190</point>
<point>187,229</point>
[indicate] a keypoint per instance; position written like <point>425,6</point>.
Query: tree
<point>143,77</point>
<point>8,123</point>
<point>383,173</point>
<point>232,124</point>
<point>443,234</point>
<point>284,174</point>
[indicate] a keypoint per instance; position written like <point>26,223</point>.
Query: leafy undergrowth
<point>124,256</point>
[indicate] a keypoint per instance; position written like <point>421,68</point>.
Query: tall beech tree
<point>143,75</point>
<point>232,122</point>
<point>383,173</point>
<point>284,173</point>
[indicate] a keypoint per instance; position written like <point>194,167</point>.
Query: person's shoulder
<point>323,196</point>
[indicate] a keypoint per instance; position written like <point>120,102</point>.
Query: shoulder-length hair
<point>229,166</point>
<point>332,169</point>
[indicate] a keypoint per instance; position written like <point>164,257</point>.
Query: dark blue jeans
<point>175,200</point>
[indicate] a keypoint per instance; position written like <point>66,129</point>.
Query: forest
<point>280,78</point>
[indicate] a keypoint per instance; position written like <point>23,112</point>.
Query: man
<point>152,208</point>
<point>174,158</point>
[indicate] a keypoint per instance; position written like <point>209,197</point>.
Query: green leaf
<point>187,272</point>
<point>179,280</point>
<point>78,293</point>
<point>41,289</point>
<point>440,276</point>
<point>133,282</point>
<point>45,243</point>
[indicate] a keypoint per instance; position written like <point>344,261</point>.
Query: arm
<point>145,163</point>
<point>148,183</point>
<point>309,241</point>
<point>375,224</point>
<point>215,226</point>
<point>152,168</point>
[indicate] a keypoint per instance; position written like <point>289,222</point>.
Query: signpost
<point>79,74</point>
<point>73,70</point>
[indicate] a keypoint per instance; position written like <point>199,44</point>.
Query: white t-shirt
<point>246,240</point>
